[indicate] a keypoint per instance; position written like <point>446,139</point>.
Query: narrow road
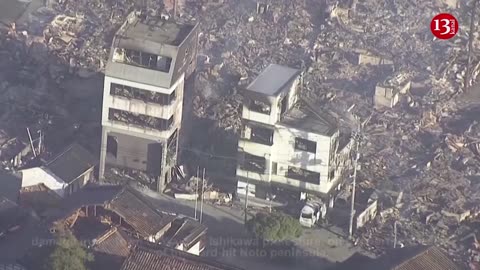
<point>228,242</point>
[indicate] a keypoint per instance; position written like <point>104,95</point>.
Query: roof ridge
<point>68,148</point>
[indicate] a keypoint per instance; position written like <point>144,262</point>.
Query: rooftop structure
<point>274,79</point>
<point>155,30</point>
<point>160,50</point>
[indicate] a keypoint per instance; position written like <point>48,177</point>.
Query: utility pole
<point>246,203</point>
<point>203,191</point>
<point>196,194</point>
<point>395,234</point>
<point>175,9</point>
<point>31,142</point>
<point>356,137</point>
<point>470,41</point>
<point>40,143</point>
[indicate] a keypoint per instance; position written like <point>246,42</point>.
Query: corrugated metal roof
<point>155,257</point>
<point>72,163</point>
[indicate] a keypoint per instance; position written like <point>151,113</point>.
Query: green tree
<point>274,227</point>
<point>68,254</point>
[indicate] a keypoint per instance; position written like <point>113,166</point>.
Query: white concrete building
<point>143,94</point>
<point>285,141</point>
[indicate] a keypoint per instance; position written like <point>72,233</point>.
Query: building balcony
<point>141,107</point>
<point>139,123</point>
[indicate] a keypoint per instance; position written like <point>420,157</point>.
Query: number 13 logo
<point>444,26</point>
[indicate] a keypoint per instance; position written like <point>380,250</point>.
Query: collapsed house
<point>149,61</point>
<point>111,211</point>
<point>387,93</point>
<point>64,174</point>
<point>286,141</point>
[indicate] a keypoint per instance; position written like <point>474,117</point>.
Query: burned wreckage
<point>420,128</point>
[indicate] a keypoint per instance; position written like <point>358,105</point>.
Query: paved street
<point>229,243</point>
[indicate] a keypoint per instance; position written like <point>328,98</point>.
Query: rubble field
<point>423,155</point>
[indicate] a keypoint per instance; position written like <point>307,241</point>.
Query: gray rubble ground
<point>418,147</point>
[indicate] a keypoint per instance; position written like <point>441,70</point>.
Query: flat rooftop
<point>273,80</point>
<point>304,116</point>
<point>156,30</point>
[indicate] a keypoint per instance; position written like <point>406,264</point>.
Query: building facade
<point>285,141</point>
<point>143,94</point>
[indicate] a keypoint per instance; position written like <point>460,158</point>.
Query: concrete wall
<point>37,175</point>
<point>291,94</point>
<point>283,152</point>
<point>139,106</point>
<point>138,147</point>
<point>135,152</point>
<point>385,97</point>
<point>367,215</point>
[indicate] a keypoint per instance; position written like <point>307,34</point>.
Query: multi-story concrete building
<point>143,94</point>
<point>285,141</point>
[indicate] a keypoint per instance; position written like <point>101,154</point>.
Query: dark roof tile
<point>156,257</point>
<point>72,163</point>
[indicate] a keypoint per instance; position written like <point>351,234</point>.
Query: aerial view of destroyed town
<point>239,135</point>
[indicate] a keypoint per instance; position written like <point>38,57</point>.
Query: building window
<point>305,145</point>
<point>142,59</point>
<point>254,163</point>
<point>259,134</point>
<point>303,175</point>
<point>112,145</point>
<point>274,168</point>
<point>139,120</point>
<point>260,107</point>
<point>140,94</point>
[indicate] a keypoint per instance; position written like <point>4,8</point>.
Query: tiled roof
<point>113,242</point>
<point>408,258</point>
<point>71,163</point>
<point>431,258</point>
<point>185,231</point>
<point>156,257</point>
<point>139,214</point>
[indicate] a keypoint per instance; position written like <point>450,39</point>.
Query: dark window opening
<point>172,138</point>
<point>261,135</point>
<point>260,107</point>
<point>305,145</point>
<point>140,94</point>
<point>284,104</point>
<point>303,175</point>
<point>143,59</point>
<point>172,147</point>
<point>140,120</point>
<point>254,163</point>
<point>274,168</point>
<point>331,174</point>
<point>112,146</point>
